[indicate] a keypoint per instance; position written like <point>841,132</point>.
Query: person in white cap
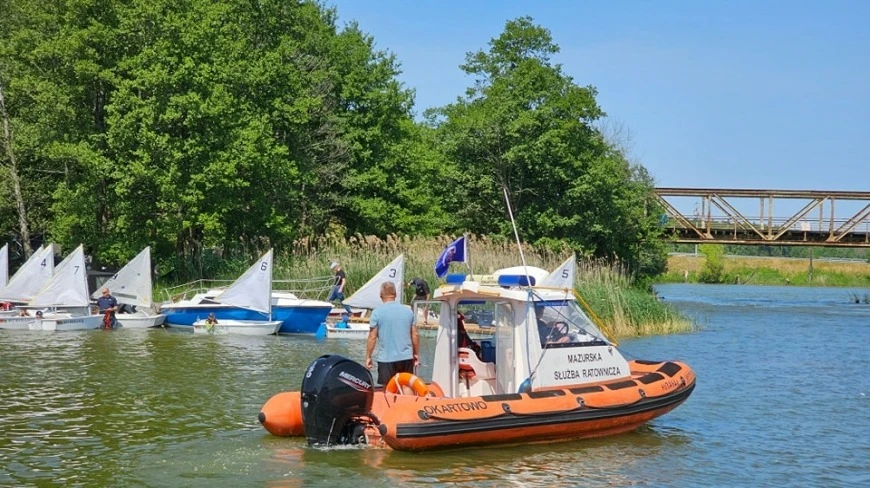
<point>337,292</point>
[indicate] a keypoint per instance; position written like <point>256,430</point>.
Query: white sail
<point>69,285</point>
<point>32,275</point>
<point>132,284</point>
<point>4,265</point>
<point>563,276</point>
<point>252,290</point>
<point>369,296</point>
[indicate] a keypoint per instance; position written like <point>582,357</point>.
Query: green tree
<point>526,127</point>
<point>713,270</point>
<point>192,124</point>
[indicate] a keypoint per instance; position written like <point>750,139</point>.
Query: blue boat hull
<point>295,319</point>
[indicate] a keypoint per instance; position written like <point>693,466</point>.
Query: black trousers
<point>388,370</point>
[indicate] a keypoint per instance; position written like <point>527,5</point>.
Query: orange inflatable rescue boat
<point>549,374</point>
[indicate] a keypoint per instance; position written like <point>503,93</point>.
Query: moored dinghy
<point>553,376</point>
<point>368,297</point>
<point>29,279</point>
<point>65,298</point>
<point>251,291</point>
<point>132,286</point>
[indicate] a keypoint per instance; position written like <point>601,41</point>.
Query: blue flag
<point>455,252</point>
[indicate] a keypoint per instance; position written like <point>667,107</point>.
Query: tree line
<point>189,125</point>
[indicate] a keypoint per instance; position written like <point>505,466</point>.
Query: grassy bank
<point>623,310</point>
<point>772,271</point>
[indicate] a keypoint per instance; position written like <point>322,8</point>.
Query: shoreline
<point>764,270</point>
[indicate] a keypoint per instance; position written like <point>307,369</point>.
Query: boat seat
<point>470,363</point>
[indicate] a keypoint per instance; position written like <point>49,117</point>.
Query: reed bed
<point>624,309</point>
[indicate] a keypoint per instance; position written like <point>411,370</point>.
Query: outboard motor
<point>337,396</point>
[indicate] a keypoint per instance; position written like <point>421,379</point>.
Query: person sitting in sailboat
<point>108,305</point>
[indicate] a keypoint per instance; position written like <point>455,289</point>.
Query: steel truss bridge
<point>824,218</point>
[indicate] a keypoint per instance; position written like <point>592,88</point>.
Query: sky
<point>714,94</point>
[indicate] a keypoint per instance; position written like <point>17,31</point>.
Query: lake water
<point>781,400</point>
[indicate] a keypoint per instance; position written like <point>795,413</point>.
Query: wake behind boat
<point>550,375</point>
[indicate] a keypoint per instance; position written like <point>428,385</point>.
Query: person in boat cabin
<point>337,292</point>
<point>39,314</point>
<point>394,331</point>
<point>22,313</point>
<point>557,333</point>
<point>463,339</point>
<point>107,304</point>
<point>551,333</point>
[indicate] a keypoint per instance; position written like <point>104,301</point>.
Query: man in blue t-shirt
<point>394,326</point>
<point>108,305</point>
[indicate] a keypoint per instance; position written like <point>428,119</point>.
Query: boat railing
<point>316,288</point>
<point>186,291</point>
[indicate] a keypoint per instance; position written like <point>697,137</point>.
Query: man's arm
<point>415,344</point>
<point>370,346</point>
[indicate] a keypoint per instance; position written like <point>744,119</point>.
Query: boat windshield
<point>563,323</point>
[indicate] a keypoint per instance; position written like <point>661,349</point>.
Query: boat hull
<point>352,331</point>
<point>295,319</point>
<point>413,423</point>
<point>240,327</point>
<point>136,321</point>
<point>402,432</point>
<point>62,323</point>
<point>85,322</point>
<point>19,323</point>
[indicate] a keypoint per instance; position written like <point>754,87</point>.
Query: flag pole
<point>468,257</point>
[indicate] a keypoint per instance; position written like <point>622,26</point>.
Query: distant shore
<point>758,270</point>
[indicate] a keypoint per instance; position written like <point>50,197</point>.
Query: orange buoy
<point>410,380</point>
<point>281,415</point>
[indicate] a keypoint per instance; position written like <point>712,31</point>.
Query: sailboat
<point>64,300</point>
<point>132,286</point>
<point>251,291</point>
<point>367,297</point>
<point>30,277</point>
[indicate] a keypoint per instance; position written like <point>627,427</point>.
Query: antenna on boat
<point>516,233</point>
<point>526,385</point>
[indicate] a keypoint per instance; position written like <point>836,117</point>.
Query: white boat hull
<point>61,322</point>
<point>352,331</point>
<point>19,323</point>
<point>83,322</point>
<point>243,327</point>
<point>139,320</point>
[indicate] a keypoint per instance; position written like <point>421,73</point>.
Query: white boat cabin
<point>541,339</point>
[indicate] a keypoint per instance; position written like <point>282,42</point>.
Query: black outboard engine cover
<point>336,393</point>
